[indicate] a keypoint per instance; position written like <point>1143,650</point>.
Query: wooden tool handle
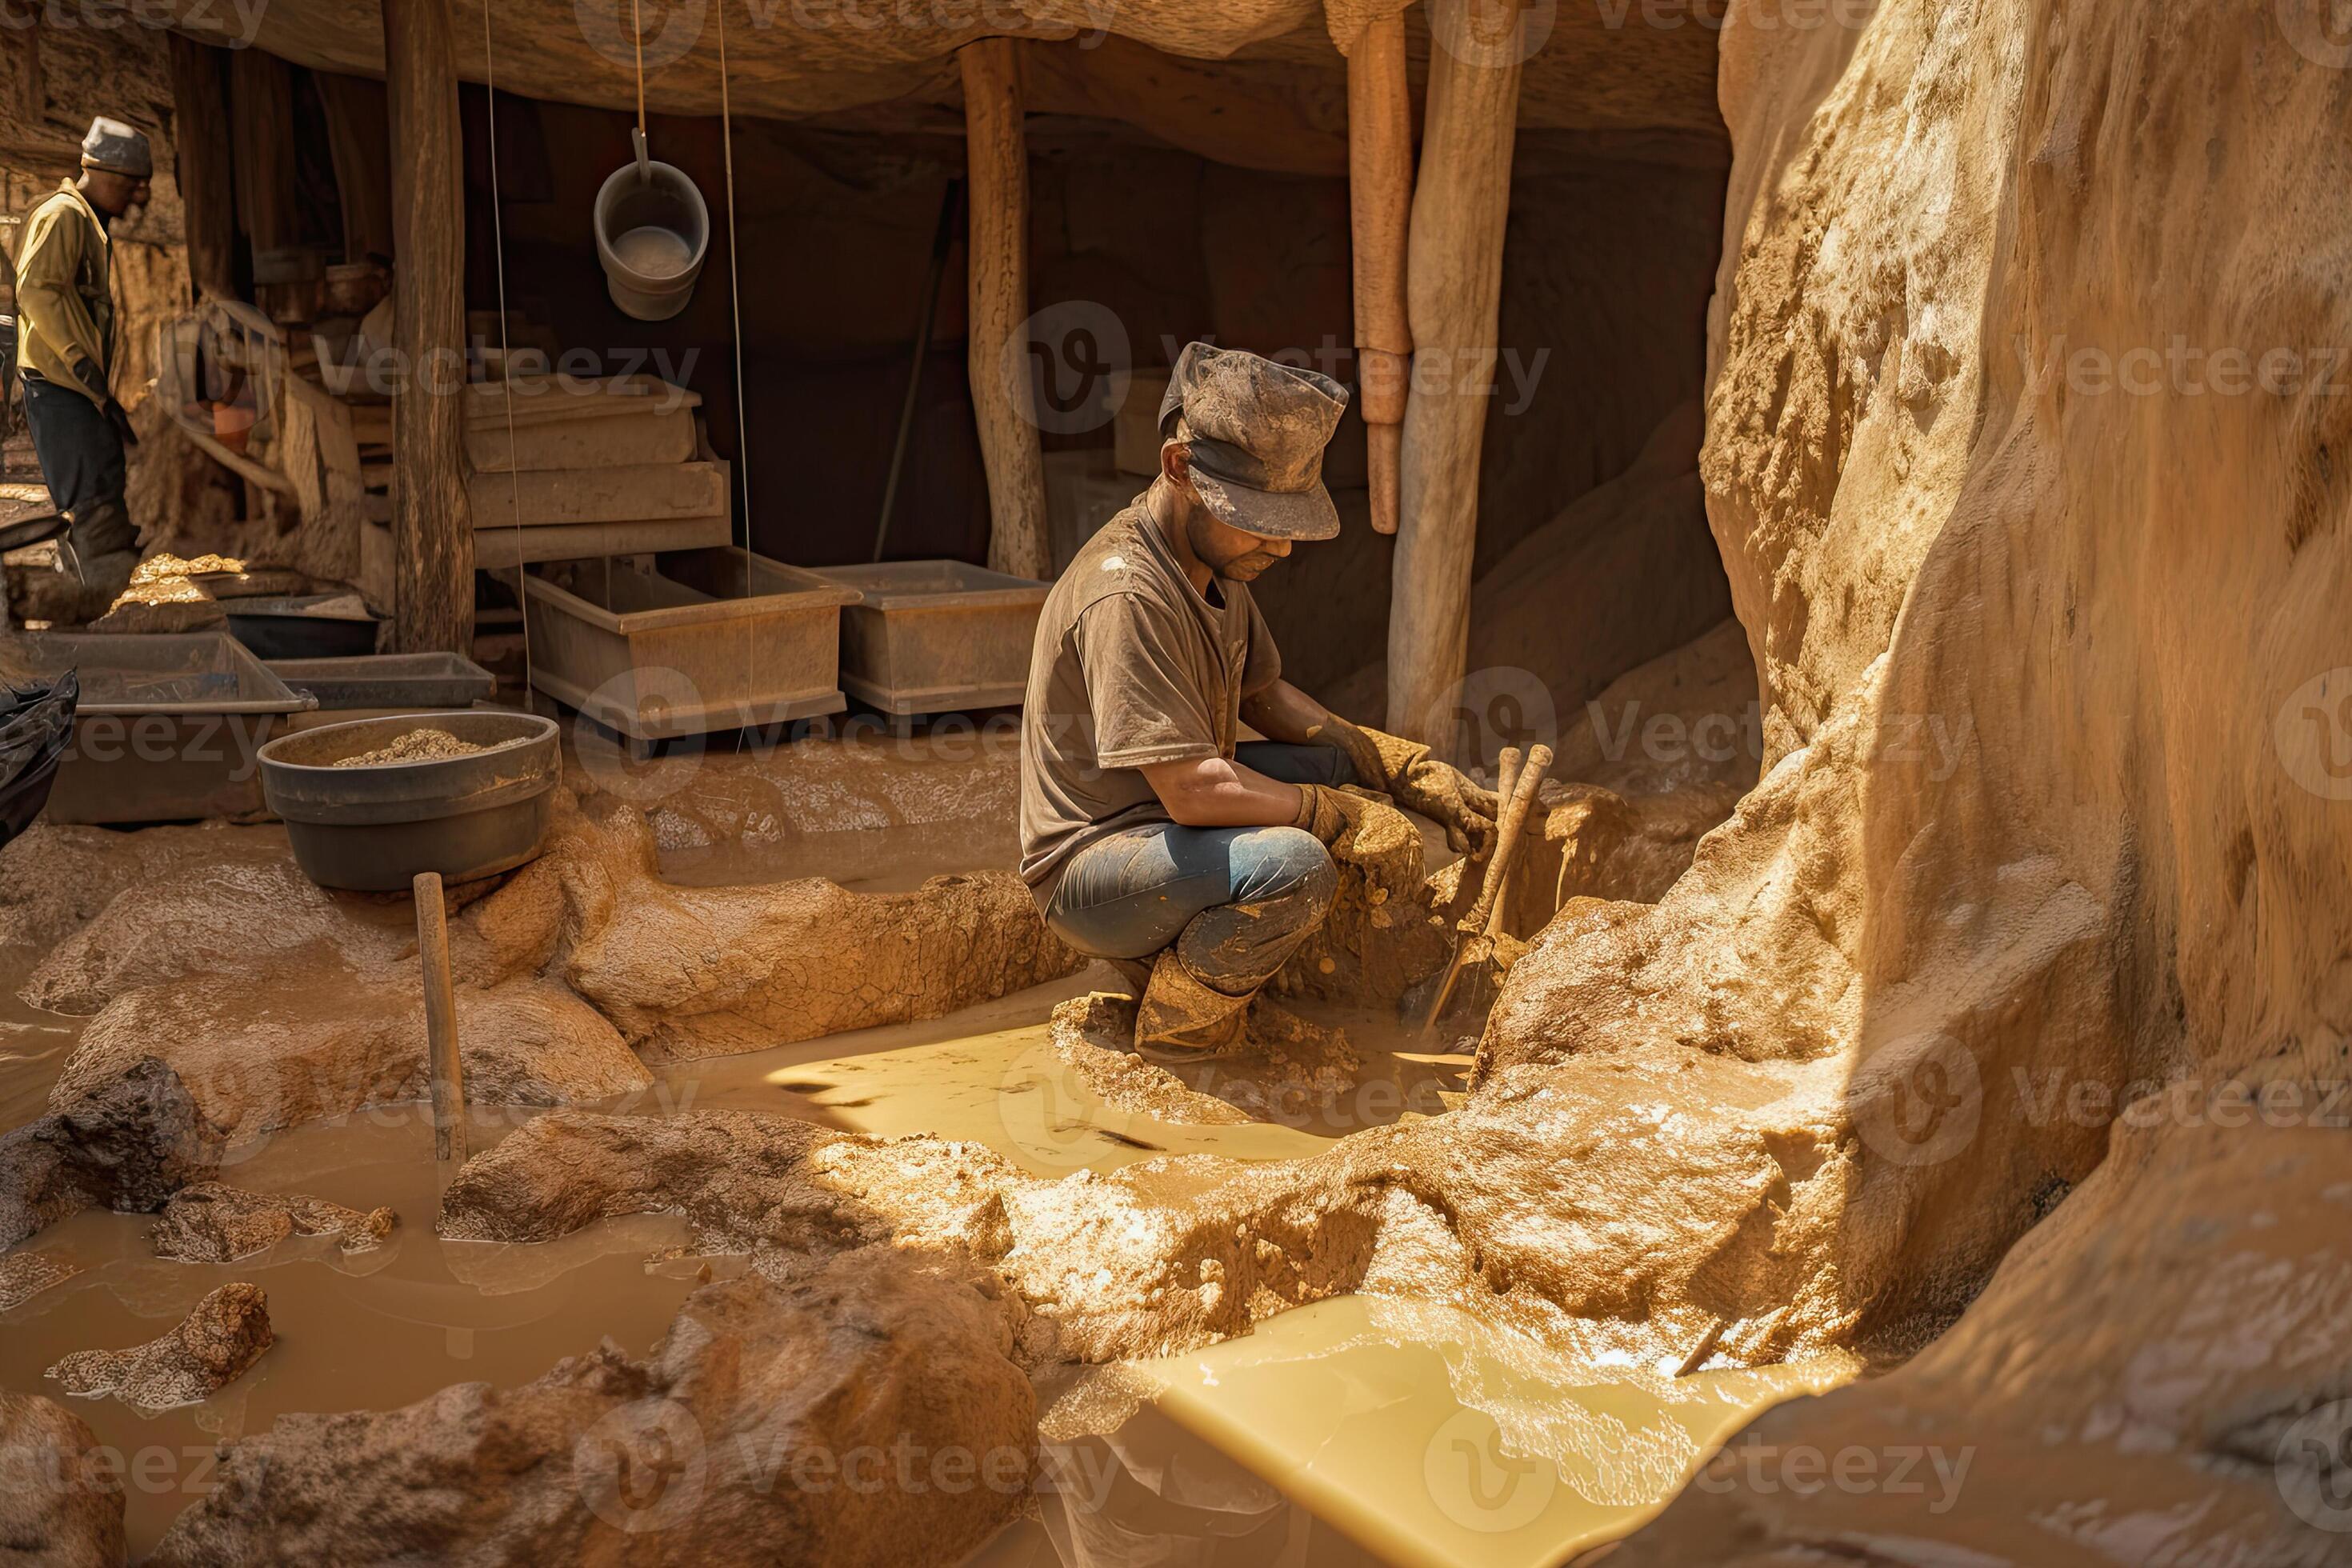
<point>1507,835</point>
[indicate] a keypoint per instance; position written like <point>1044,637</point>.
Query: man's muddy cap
<point>118,149</point>
<point>1257,431</point>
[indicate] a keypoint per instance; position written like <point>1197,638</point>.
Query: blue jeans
<point>1233,901</point>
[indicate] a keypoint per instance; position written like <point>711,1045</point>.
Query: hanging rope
<point>637,33</point>
<point>506,354</point>
<point>742,417</point>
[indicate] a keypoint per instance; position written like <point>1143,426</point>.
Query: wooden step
<point>499,546</point>
<point>637,493</point>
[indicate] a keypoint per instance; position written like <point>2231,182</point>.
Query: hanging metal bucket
<point>652,234</point>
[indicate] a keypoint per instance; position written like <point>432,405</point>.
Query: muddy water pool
<point>1354,1431</point>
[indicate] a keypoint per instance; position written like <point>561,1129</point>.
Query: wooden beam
<point>207,188</point>
<point>432,526</point>
<point>996,155</point>
<point>261,123</point>
<point>359,138</point>
<point>1453,286</point>
<point>1379,201</point>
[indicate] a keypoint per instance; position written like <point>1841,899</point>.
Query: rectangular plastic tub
<point>643,653</point>
<point>933,636</point>
<point>167,728</point>
<point>405,682</point>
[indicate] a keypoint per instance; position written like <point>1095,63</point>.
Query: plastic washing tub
<point>168,726</point>
<point>373,828</point>
<point>933,636</point>
<point>654,659</point>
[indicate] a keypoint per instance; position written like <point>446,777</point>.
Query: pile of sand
<point>416,746</point>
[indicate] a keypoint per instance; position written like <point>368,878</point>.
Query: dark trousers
<point>1233,901</point>
<point>82,463</point>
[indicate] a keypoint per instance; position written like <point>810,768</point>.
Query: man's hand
<point>1406,771</point>
<point>1347,822</point>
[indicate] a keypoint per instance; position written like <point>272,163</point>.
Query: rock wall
<point>2024,453</point>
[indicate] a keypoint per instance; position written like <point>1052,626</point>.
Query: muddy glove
<point>1365,831</point>
<point>1406,771</point>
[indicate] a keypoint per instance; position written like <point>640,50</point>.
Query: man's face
<point>1235,556</point>
<point>115,194</point>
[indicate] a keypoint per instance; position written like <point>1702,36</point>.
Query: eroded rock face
<point>210,1223</point>
<point>130,1144</point>
<point>59,1506</point>
<point>690,972</point>
<point>210,1349</point>
<point>865,1412</point>
<point>24,1275</point>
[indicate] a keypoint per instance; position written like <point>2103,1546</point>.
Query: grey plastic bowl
<point>373,828</point>
<point>658,196</point>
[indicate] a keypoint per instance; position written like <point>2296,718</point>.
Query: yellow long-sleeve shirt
<point>64,299</point>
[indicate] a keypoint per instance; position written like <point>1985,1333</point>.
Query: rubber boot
<point>1179,1012</point>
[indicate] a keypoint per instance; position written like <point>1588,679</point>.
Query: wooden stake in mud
<point>1516,806</point>
<point>440,1020</point>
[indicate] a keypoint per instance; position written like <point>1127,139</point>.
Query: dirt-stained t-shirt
<point>1131,666</point>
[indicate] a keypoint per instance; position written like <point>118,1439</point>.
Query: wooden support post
<point>996,154</point>
<point>432,526</point>
<point>261,123</point>
<point>446,1069</point>
<point>359,138</point>
<point>207,191</point>
<point>1379,201</point>
<point>1454,288</point>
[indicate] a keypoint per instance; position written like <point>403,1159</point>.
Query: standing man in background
<point>65,352</point>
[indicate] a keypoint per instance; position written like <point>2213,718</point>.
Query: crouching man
<point>1151,833</point>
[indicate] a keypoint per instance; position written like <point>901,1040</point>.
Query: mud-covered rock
<point>60,1501</point>
<point>26,1274</point>
<point>211,1223</point>
<point>130,1144</point>
<point>864,1413</point>
<point>209,1349</point>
